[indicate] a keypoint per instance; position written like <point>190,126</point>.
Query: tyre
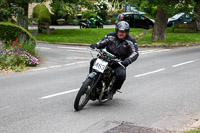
<point>82,26</point>
<point>101,26</point>
<point>82,97</point>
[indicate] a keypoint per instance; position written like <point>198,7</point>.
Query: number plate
<point>100,65</point>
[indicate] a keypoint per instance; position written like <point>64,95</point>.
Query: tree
<point>165,9</point>
<point>21,6</point>
<point>197,10</point>
<point>7,11</point>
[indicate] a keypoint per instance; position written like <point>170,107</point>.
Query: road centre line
<point>58,94</point>
<point>147,50</point>
<point>153,51</point>
<point>4,107</point>
<point>136,76</point>
<point>74,90</point>
<point>148,73</point>
<point>79,51</point>
<point>57,66</point>
<point>184,63</point>
<point>75,48</point>
<point>42,48</point>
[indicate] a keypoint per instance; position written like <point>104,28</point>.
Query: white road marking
<point>4,107</point>
<point>184,63</point>
<point>67,92</point>
<point>76,48</point>
<point>136,76</point>
<point>146,51</point>
<point>37,69</point>
<point>42,48</point>
<point>153,51</point>
<point>58,94</point>
<point>144,74</point>
<point>78,51</point>
<point>70,64</point>
<point>55,66</point>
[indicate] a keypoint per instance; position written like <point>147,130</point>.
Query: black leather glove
<point>125,63</point>
<point>93,46</point>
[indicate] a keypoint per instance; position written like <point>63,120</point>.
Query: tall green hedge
<point>11,32</point>
<point>41,13</point>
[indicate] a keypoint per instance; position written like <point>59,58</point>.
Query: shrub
<point>41,13</point>
<point>88,14</point>
<point>11,32</point>
<point>16,56</point>
<point>101,8</point>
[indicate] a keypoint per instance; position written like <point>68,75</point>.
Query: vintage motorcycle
<point>91,23</point>
<point>99,82</point>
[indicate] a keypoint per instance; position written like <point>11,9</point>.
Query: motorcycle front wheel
<point>82,97</point>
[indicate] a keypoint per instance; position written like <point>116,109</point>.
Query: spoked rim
<point>84,98</point>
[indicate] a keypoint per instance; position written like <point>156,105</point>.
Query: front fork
<point>93,76</point>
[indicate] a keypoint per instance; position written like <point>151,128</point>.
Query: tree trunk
<point>22,20</point>
<point>159,30</point>
<point>197,11</point>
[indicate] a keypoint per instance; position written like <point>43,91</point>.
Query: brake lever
<point>121,65</point>
<point>119,62</point>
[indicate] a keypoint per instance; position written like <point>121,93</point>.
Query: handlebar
<point>113,57</point>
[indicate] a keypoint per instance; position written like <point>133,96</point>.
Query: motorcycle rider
<point>124,47</point>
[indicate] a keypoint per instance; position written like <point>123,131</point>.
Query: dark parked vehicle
<point>136,20</point>
<point>180,18</point>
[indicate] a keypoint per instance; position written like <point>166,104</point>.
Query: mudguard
<point>92,75</point>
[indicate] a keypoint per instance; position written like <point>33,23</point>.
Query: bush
<point>88,14</point>
<point>41,13</point>
<point>101,8</point>
<point>17,55</point>
<point>12,32</point>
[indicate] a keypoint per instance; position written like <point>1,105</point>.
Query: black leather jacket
<point>125,49</point>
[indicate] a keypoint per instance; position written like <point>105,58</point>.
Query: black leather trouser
<point>120,75</point>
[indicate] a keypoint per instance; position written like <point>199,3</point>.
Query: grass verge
<point>89,36</point>
<point>173,39</point>
<point>81,36</point>
<point>193,131</point>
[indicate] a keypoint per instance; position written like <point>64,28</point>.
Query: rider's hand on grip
<point>93,46</point>
<point>125,63</point>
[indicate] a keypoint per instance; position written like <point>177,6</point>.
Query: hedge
<point>41,13</point>
<point>12,32</point>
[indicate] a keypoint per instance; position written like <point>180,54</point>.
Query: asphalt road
<point>161,91</point>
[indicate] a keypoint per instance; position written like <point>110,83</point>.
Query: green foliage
<point>62,9</point>
<point>15,55</point>
<point>7,10</point>
<point>12,32</point>
<point>29,47</point>
<point>101,8</point>
<point>171,7</point>
<point>197,130</point>
<point>87,14</point>
<point>41,13</point>
<point>10,8</point>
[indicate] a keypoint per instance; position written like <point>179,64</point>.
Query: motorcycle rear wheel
<point>82,26</point>
<point>82,97</point>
